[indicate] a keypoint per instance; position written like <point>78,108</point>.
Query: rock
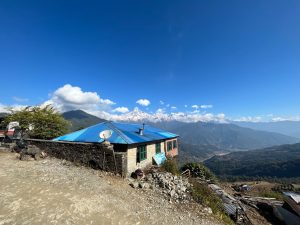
<point>24,157</point>
<point>172,193</point>
<point>134,184</point>
<point>43,154</point>
<point>183,189</point>
<point>175,187</point>
<point>144,185</point>
<point>207,210</point>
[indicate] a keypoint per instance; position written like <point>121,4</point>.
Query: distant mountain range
<point>279,161</point>
<point>224,136</point>
<point>202,140</point>
<point>206,137</point>
<point>290,128</point>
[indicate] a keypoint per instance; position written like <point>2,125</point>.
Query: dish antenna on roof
<point>105,134</point>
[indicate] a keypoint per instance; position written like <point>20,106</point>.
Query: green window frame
<point>169,145</point>
<point>141,153</point>
<point>174,144</point>
<point>158,148</point>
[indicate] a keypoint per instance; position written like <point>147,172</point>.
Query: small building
<point>143,145</point>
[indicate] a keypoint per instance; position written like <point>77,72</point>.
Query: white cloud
<point>206,106</point>
<point>121,110</point>
<point>161,102</point>
<point>160,110</point>
<point>173,107</point>
<point>195,106</point>
<point>70,97</point>
<point>107,102</point>
<point>185,106</point>
<point>249,119</point>
<point>143,102</point>
<point>18,99</point>
<point>195,111</point>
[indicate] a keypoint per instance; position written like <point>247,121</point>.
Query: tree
<point>46,122</point>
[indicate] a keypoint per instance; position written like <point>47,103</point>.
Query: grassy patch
<point>205,196</point>
<point>171,166</point>
<point>273,194</point>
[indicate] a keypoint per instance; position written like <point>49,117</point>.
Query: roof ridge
<point>122,135</point>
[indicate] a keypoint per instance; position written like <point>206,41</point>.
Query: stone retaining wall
<point>97,156</point>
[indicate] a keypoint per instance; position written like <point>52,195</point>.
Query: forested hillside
<point>279,161</point>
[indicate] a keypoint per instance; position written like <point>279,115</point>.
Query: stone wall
<point>97,156</point>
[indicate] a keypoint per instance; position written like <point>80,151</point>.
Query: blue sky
<point>240,57</point>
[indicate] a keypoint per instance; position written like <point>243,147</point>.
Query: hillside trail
<point>53,191</point>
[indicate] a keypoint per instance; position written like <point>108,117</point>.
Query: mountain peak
<point>80,119</point>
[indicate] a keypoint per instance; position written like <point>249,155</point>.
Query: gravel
<point>53,191</point>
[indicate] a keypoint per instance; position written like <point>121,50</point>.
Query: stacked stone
<point>174,187</point>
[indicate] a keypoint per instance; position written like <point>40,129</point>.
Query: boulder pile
<point>173,187</point>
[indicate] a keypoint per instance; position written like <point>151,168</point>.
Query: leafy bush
<point>45,121</point>
<point>199,170</point>
<point>171,166</point>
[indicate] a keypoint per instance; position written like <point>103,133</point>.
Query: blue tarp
<point>122,133</point>
<point>159,158</point>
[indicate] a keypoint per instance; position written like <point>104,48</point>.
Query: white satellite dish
<point>105,134</point>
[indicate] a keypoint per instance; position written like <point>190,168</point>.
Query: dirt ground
<point>53,191</point>
<point>256,189</point>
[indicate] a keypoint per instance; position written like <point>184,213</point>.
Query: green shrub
<point>205,196</point>
<point>199,170</point>
<point>171,166</point>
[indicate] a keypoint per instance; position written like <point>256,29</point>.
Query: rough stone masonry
<point>97,156</point>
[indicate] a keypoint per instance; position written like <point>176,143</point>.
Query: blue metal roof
<point>122,133</point>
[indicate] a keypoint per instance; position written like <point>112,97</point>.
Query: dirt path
<point>52,191</point>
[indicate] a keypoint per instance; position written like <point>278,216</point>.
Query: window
<point>174,144</point>
<point>157,148</point>
<point>169,146</point>
<point>141,153</point>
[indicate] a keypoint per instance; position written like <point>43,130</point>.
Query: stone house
<point>143,145</point>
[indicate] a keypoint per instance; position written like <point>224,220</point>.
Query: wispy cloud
<point>18,99</point>
<point>206,106</point>
<point>285,118</point>
<point>121,110</point>
<point>202,106</point>
<point>254,119</point>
